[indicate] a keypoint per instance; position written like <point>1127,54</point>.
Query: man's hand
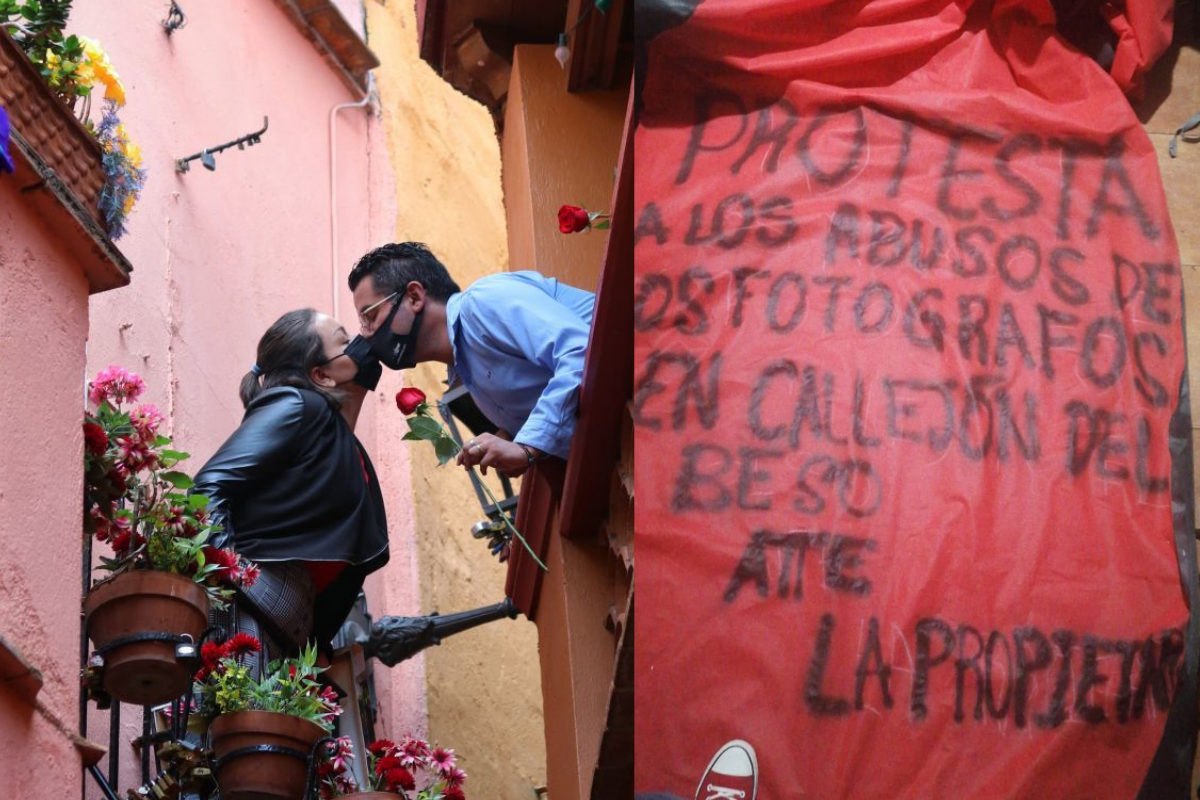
<point>486,450</point>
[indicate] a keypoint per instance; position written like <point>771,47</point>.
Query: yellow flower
<point>114,91</point>
<point>134,154</point>
<point>102,71</point>
<point>84,74</point>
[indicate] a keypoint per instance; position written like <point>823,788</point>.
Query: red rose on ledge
<point>409,400</point>
<point>572,219</point>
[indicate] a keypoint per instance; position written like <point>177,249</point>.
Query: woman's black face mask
<point>393,350</point>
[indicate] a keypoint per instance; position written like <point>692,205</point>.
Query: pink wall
<point>43,324</point>
<point>217,257</point>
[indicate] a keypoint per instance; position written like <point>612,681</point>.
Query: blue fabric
<point>519,341</point>
<point>6,162</point>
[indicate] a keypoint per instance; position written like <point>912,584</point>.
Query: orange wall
<point>561,148</point>
<point>558,149</point>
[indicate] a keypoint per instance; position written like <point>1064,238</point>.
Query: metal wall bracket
<point>206,155</point>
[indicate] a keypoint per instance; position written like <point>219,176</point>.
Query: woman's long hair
<point>287,352</point>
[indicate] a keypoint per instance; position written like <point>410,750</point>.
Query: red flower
<point>399,777</point>
<point>241,644</point>
<point>249,576</point>
<point>408,400</point>
<point>223,558</point>
<point>94,439</point>
<point>381,746</point>
<point>119,478</point>
<point>122,543</point>
<point>454,793</point>
<point>572,219</point>
<point>387,763</point>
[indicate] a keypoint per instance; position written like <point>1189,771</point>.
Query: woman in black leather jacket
<point>293,489</point>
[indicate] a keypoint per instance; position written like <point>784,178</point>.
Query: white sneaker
<point>731,775</point>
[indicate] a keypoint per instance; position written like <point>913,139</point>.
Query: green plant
<point>43,21</point>
<point>225,685</point>
<point>136,502</point>
<point>423,427</point>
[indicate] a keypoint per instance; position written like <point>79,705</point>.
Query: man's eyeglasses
<point>365,317</point>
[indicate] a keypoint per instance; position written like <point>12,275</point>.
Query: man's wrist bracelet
<point>528,453</point>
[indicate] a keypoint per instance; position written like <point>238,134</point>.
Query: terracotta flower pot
<point>145,601</point>
<point>262,776</point>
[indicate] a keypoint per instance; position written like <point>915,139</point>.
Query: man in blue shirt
<point>516,340</point>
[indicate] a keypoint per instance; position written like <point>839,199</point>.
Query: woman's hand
<point>486,450</point>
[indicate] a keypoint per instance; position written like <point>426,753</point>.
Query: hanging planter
<point>263,755</point>
<point>146,620</point>
<point>136,622</point>
<point>46,125</point>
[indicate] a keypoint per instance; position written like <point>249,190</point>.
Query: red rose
<point>572,219</point>
<point>408,399</point>
<point>94,439</point>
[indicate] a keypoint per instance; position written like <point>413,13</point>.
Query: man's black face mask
<point>393,350</point>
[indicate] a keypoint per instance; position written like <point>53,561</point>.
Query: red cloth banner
<point>913,442</point>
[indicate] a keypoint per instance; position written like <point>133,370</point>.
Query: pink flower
<point>146,418</point>
<point>442,760</point>
<point>115,385</point>
<point>133,453</point>
<point>330,697</point>
<point>249,576</point>
<point>227,562</point>
<point>340,761</point>
<point>119,477</point>
<point>454,777</point>
<point>175,521</point>
<point>413,752</point>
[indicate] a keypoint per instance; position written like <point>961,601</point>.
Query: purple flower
<point>6,162</point>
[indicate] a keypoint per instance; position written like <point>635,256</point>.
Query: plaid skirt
<point>277,610</point>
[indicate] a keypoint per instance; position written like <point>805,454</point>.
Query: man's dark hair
<point>393,266</point>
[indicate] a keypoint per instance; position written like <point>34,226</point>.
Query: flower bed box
<point>47,126</point>
<point>59,172</point>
